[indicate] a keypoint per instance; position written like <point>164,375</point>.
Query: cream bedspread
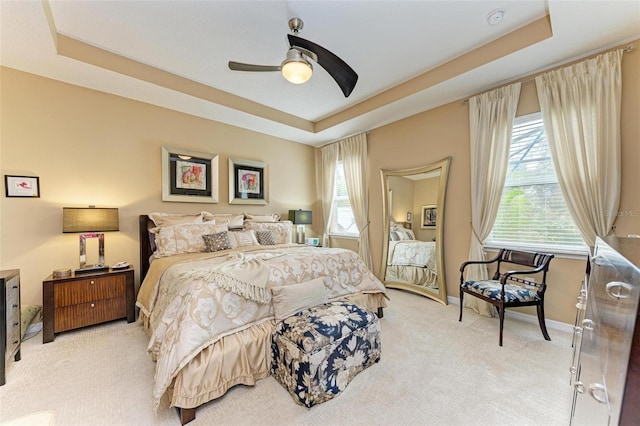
<point>413,253</point>
<point>188,309</point>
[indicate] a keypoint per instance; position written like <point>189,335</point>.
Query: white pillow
<point>232,220</point>
<point>169,219</point>
<point>290,299</point>
<point>243,238</point>
<point>184,238</point>
<point>263,217</point>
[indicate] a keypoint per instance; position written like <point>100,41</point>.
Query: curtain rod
<point>625,49</point>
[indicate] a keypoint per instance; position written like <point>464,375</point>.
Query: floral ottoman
<point>318,351</point>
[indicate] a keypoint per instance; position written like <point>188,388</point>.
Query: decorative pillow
<point>266,238</point>
<point>231,220</point>
<point>282,230</point>
<point>216,242</point>
<point>263,217</point>
<point>185,238</point>
<point>289,299</point>
<point>395,236</point>
<point>169,219</point>
<point>243,238</point>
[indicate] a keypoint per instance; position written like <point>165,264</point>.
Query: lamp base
<point>91,269</point>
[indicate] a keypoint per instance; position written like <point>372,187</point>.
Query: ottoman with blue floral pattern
<point>317,352</point>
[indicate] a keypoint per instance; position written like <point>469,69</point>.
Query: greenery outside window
<point>533,214</point>
<point>343,222</point>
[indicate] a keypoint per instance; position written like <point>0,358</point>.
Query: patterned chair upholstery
<point>317,352</point>
<point>507,289</point>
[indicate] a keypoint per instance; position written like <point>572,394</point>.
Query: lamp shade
<point>300,217</point>
<point>89,219</point>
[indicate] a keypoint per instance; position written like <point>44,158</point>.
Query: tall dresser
<point>9,318</point>
<point>606,370</point>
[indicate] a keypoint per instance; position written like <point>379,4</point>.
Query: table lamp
<point>300,218</point>
<point>91,222</point>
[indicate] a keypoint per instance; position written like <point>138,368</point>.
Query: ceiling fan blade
<point>239,66</point>
<point>342,73</point>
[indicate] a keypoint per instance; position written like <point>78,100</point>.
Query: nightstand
<point>82,300</point>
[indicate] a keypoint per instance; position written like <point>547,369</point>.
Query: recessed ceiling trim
<point>521,38</point>
<point>84,52</point>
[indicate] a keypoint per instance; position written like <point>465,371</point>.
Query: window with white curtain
<point>532,212</point>
<point>342,221</point>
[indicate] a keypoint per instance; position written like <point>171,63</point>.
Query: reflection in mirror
<point>413,210</point>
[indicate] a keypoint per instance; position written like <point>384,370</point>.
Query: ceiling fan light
<point>295,68</point>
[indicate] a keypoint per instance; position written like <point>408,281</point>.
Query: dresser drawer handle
<point>92,282</point>
<point>16,323</point>
<point>15,286</point>
<point>579,387</point>
<point>15,342</point>
<point>15,306</point>
<point>588,324</point>
<point>618,290</point>
<point>598,392</point>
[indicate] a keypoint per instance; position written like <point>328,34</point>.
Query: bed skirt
<point>412,275</point>
<point>241,358</point>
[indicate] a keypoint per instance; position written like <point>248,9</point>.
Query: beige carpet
<point>434,371</point>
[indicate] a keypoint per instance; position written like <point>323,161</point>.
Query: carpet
<point>434,370</point>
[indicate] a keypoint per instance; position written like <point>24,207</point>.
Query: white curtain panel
<point>328,160</point>
<point>354,160</point>
<point>580,107</point>
<point>491,117</point>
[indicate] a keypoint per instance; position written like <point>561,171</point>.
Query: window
<point>532,210</point>
<point>342,220</point>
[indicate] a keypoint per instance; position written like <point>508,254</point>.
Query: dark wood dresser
<point>87,299</point>
<point>9,319</point>
<point>607,366</point>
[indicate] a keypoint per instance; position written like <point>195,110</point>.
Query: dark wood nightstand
<point>81,300</point>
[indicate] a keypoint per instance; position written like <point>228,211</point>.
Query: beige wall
<point>89,147</point>
<point>444,131</point>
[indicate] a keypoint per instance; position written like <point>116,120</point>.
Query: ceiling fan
<point>297,69</point>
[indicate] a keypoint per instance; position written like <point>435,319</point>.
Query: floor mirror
<point>413,213</point>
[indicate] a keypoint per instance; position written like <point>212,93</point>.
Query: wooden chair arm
<point>472,262</point>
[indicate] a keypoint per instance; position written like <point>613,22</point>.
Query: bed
<point>210,315</point>
<point>410,260</point>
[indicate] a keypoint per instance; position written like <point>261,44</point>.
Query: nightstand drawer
<point>89,290</point>
<point>80,315</point>
<point>80,300</point>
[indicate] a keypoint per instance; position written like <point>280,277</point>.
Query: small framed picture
<point>189,176</point>
<point>429,216</point>
<point>248,182</point>
<point>22,186</point>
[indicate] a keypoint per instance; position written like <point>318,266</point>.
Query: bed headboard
<point>144,224</point>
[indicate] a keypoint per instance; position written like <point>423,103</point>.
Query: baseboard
<point>551,324</point>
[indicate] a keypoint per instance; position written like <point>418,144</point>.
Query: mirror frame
<point>441,295</point>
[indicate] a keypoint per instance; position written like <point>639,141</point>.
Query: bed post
<point>186,414</point>
<point>145,246</point>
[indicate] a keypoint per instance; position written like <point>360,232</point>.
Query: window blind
<point>532,208</point>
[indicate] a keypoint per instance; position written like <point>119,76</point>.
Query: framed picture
<point>429,216</point>
<point>189,176</point>
<point>22,186</point>
<point>248,182</point>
